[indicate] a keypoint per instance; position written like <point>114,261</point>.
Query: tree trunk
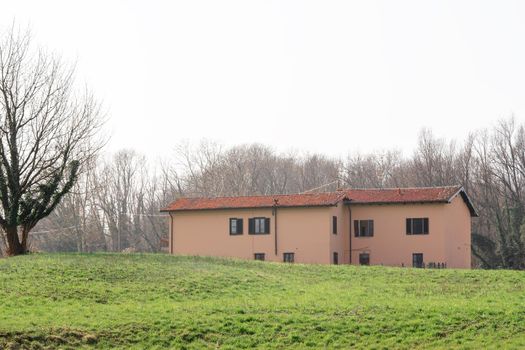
<point>14,246</point>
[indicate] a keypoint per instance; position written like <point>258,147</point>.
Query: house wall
<point>458,234</point>
<point>307,232</point>
<point>339,241</point>
<point>303,231</point>
<point>390,244</point>
<point>448,240</point>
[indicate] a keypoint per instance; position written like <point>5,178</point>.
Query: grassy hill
<point>158,301</point>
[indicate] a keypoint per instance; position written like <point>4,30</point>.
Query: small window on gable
<point>235,226</point>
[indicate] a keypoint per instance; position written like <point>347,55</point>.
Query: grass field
<point>159,301</point>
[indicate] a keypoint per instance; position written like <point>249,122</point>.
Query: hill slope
<point>148,301</point>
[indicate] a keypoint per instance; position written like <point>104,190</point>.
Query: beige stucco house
<point>396,227</point>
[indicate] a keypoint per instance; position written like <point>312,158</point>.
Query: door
<point>417,260</point>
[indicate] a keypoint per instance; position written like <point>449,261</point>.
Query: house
<point>396,227</point>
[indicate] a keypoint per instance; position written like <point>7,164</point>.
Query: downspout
<point>350,234</point>
<point>171,233</point>
<point>275,203</point>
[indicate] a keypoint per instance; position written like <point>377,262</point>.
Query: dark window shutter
<point>251,225</point>
<point>266,225</point>
<point>409,226</point>
<point>239,226</point>
<point>334,225</point>
<point>370,228</point>
<point>356,228</point>
<point>425,225</point>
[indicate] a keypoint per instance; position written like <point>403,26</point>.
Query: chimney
<point>399,190</point>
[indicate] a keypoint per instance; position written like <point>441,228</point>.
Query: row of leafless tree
<point>115,204</point>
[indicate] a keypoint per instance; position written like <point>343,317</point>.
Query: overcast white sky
<point>317,76</point>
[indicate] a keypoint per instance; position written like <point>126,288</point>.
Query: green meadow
<point>137,301</point>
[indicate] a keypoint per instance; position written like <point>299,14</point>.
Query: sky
<point>314,76</point>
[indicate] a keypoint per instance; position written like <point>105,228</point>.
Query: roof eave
<point>168,210</point>
<point>397,202</point>
<point>461,191</point>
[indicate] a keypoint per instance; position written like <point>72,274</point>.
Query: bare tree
<point>76,224</point>
<point>376,170</point>
<point>501,196</point>
<point>434,161</point>
<point>46,134</point>
<point>117,181</point>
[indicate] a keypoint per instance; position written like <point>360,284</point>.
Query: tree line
<point>114,205</point>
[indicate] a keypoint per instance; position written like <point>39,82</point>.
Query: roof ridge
<point>264,195</point>
<point>397,188</point>
<point>328,192</point>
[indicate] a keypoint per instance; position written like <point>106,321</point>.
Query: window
<point>418,226</point>
<point>336,258</point>
<point>363,228</point>
<point>417,260</point>
<point>288,257</point>
<point>259,256</point>
<point>364,259</point>
<point>258,226</point>
<point>235,226</point>
<point>334,225</point>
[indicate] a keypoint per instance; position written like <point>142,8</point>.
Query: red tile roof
<point>352,196</point>
<point>286,200</point>
<point>402,195</point>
